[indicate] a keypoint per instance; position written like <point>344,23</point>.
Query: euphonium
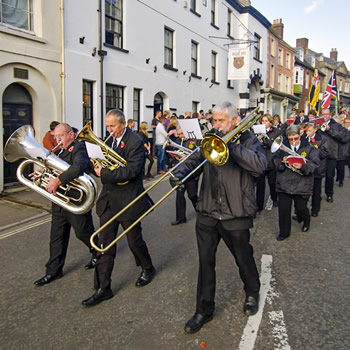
<point>78,196</point>
<point>112,159</point>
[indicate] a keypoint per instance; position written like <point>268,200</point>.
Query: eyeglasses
<point>60,136</point>
<point>295,138</point>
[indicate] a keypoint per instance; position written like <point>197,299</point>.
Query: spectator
<point>49,140</point>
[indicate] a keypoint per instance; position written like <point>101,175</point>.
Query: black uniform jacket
<point>227,191</point>
<point>114,193</point>
<point>289,181</point>
<point>335,135</point>
<point>319,142</point>
<point>77,156</point>
<point>273,133</point>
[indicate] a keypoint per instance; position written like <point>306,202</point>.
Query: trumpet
<point>262,136</point>
<point>323,127</point>
<point>78,196</point>
<point>214,149</point>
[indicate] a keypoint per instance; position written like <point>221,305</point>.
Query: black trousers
<point>341,170</point>
<point>237,242</point>
<point>151,161</point>
<point>285,210</point>
<point>62,221</point>
<point>330,172</point>
<point>105,262</point>
<point>191,187</point>
<point>260,188</point>
<point>316,196</point>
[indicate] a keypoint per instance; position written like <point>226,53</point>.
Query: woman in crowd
<point>143,133</point>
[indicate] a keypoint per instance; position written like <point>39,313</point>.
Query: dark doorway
<point>16,111</point>
<point>157,104</point>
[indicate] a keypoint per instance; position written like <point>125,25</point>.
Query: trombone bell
<point>214,149</point>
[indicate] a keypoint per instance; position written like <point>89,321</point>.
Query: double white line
<point>25,228</point>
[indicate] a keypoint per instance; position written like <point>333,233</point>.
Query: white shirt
<point>117,140</point>
<point>161,134</point>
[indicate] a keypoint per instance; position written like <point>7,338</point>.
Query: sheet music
<point>94,151</point>
<point>259,129</point>
<point>191,128</point>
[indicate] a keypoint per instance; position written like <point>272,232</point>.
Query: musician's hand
<point>98,170</point>
<point>53,184</point>
<point>297,165</point>
<point>327,127</point>
<point>284,159</point>
<point>175,181</point>
<point>35,173</point>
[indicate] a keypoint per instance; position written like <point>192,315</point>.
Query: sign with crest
<point>238,64</point>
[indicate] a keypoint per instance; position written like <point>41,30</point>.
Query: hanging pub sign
<point>238,64</point>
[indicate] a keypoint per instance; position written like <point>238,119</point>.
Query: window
<point>257,47</point>
<point>213,66</point>
<point>195,107</point>
<point>297,76</point>
<point>114,97</point>
<point>272,75</point>
<point>287,85</point>
<point>288,60</point>
<point>193,5</point>
<point>280,57</point>
<point>272,47</point>
<point>307,80</point>
<point>87,102</point>
<point>341,85</point>
<point>213,13</point>
<point>114,22</point>
<point>17,13</point>
<point>168,47</point>
<point>229,22</point>
<point>279,81</point>
<point>194,58</point>
<point>136,107</point>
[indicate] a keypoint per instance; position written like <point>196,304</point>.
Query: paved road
<point>305,288</point>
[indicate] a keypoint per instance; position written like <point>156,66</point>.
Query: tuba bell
<point>78,196</point>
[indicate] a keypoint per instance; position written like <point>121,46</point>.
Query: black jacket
<point>114,193</point>
<point>227,191</point>
<point>335,135</point>
<point>273,133</point>
<point>289,181</point>
<point>319,142</point>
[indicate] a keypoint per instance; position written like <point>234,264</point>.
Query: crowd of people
<point>293,157</point>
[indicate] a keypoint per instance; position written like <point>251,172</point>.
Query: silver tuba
<point>78,196</point>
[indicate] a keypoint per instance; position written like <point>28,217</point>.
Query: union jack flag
<point>314,91</point>
<point>331,90</point>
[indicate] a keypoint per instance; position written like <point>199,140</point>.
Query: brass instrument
<point>214,149</point>
<point>323,127</point>
<point>278,144</point>
<point>262,136</point>
<point>112,159</point>
<point>78,196</point>
<point>181,151</point>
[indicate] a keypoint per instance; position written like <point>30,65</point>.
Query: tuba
<point>112,159</point>
<point>78,196</point>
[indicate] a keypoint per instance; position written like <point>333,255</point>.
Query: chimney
<point>277,26</point>
<point>303,42</point>
<point>334,55</point>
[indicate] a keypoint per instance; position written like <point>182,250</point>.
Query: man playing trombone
<point>226,208</point>
<point>121,186</point>
<point>75,154</point>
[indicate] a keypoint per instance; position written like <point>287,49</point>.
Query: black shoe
<point>329,199</point>
<point>178,222</point>
<point>341,184</point>
<point>91,264</point>
<point>150,176</point>
<point>306,227</point>
<point>251,305</point>
<point>295,217</point>
<point>146,277</point>
<point>314,215</point>
<point>281,237</point>
<point>275,203</point>
<point>47,279</point>
<point>98,296</point>
<point>197,322</point>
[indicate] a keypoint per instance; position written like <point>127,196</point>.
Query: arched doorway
<point>158,103</point>
<point>16,111</point>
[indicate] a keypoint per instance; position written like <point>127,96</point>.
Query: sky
<point>323,22</point>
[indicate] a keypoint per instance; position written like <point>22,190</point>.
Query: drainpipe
<point>62,74</point>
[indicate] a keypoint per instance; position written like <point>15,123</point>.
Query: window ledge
<point>230,36</point>
<point>115,48</point>
<point>21,33</point>
<point>195,13</point>
<point>215,82</point>
<point>166,66</point>
<point>257,60</point>
<point>196,76</point>
<point>215,26</point>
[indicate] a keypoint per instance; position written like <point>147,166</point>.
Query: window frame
<point>280,57</point>
<point>195,60</point>
<point>117,98</point>
<point>29,11</point>
<point>257,47</point>
<point>214,63</point>
<point>136,110</point>
<point>88,103</point>
<point>120,20</point>
<point>170,50</point>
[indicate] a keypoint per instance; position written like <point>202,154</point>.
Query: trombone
<point>214,149</point>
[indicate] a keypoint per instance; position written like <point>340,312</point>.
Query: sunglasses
<point>295,138</point>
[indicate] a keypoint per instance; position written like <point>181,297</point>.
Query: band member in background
<point>131,124</point>
<point>146,142</point>
<point>334,134</point>
<point>120,187</point>
<point>226,208</point>
<point>76,155</point>
<point>317,140</point>
<point>49,140</point>
<point>294,184</point>
<point>191,185</point>
<point>270,173</point>
<point>277,121</point>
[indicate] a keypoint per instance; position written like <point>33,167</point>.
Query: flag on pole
<point>314,92</point>
<point>331,91</point>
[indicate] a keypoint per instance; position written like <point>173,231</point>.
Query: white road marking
<point>279,331</point>
<point>250,331</point>
<point>25,228</point>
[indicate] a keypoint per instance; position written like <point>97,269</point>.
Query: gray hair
<point>292,130</point>
<point>226,108</point>
<point>117,113</point>
<point>66,127</point>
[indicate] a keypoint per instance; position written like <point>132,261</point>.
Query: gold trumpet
<point>214,149</point>
<point>112,159</point>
